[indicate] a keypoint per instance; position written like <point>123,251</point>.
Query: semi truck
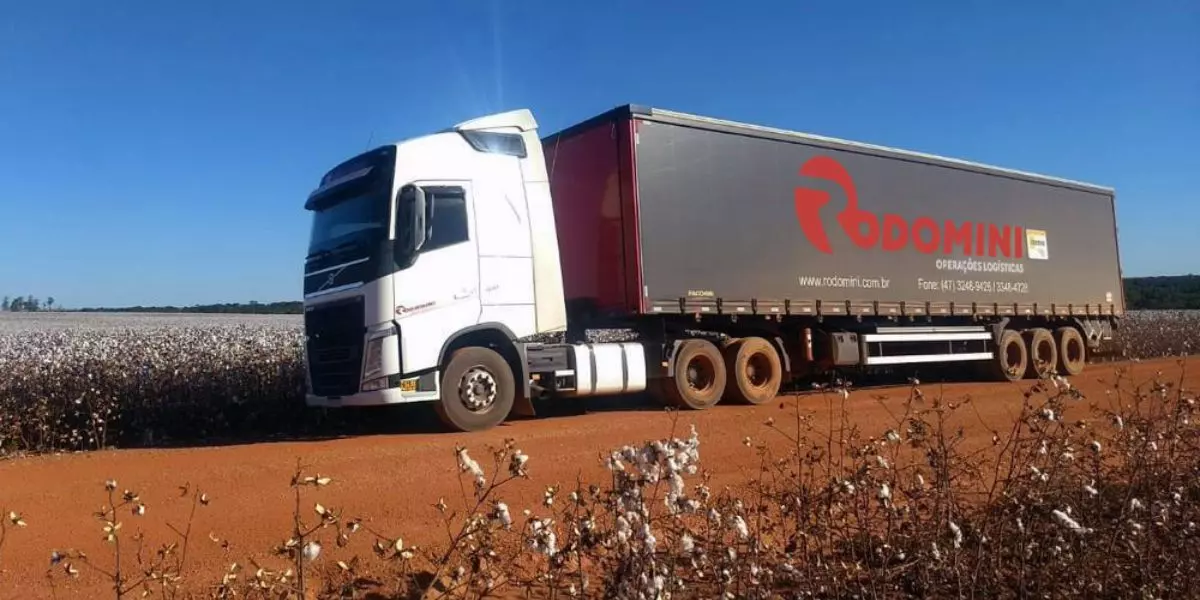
<point>478,268</point>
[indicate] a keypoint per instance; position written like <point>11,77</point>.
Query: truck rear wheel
<point>1072,352</point>
<point>1012,357</point>
<point>754,371</point>
<point>478,390</point>
<point>699,378</point>
<point>1042,351</point>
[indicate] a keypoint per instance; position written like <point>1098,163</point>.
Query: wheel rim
<point>701,374</point>
<point>758,371</point>
<point>1073,351</point>
<point>1012,355</point>
<point>477,390</point>
<point>1045,352</point>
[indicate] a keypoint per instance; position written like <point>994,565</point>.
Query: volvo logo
<point>330,279</point>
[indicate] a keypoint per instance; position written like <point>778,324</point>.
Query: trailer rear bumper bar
<point>926,358</point>
<point>926,337</point>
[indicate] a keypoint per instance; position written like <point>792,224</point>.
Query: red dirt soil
<point>394,480</point>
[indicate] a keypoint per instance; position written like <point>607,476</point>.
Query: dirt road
<point>394,480</point>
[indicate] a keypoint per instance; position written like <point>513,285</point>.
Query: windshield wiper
<point>329,251</point>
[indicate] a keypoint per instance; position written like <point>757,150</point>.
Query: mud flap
<point>523,406</point>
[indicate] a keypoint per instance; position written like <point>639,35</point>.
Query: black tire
<point>1072,351</point>
<point>1012,358</point>
<point>1042,351</point>
<point>754,371</point>
<point>489,376</point>
<point>699,379</point>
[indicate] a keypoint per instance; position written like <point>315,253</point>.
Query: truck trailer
<point>473,267</point>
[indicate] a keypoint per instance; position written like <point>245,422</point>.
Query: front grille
<point>334,347</point>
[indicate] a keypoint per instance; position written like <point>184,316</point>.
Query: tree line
<point>1170,292</point>
<point>26,304</point>
<point>294,307</point>
<point>32,304</point>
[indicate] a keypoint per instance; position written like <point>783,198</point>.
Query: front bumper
<point>347,364</point>
<point>380,382</point>
<point>375,398</point>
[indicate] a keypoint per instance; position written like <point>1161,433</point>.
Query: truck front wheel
<point>699,378</point>
<point>478,390</point>
<point>755,371</point>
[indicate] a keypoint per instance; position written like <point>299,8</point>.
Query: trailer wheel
<point>1012,357</point>
<point>1072,352</point>
<point>699,377</point>
<point>478,390</point>
<point>754,371</point>
<point>1042,351</point>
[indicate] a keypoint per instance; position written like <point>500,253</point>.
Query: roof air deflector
<point>521,119</point>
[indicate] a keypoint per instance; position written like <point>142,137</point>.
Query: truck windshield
<point>355,220</point>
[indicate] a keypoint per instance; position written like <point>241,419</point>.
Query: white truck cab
<point>427,260</point>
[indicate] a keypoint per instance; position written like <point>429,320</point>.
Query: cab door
<point>438,295</point>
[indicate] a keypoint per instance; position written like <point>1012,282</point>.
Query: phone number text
<point>974,286</point>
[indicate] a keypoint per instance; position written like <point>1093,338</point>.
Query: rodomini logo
<point>892,232</point>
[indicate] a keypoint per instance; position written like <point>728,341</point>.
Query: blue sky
<point>160,152</point>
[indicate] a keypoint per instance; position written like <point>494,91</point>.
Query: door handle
<point>462,294</point>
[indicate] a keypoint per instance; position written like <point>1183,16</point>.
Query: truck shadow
<point>244,426</point>
<point>311,425</point>
<point>894,381</point>
<point>316,425</point>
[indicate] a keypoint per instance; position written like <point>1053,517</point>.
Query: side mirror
<point>410,220</point>
<point>418,212</point>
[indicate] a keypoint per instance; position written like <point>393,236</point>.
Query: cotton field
<point>1086,487</point>
<point>1150,334</point>
<point>73,381</point>
<point>82,381</point>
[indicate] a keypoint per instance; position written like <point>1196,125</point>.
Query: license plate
<point>408,385</point>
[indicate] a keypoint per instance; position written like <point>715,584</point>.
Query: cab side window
<point>446,218</point>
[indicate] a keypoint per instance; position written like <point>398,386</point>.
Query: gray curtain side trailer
<point>745,256</point>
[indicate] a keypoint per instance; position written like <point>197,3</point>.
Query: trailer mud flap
<point>1096,331</point>
<point>784,357</point>
<point>668,362</point>
<point>998,330</point>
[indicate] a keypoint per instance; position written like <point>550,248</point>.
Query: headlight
<point>373,361</point>
<point>380,358</point>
